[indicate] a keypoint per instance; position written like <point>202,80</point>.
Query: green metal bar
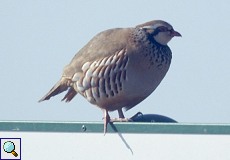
<point>123,127</point>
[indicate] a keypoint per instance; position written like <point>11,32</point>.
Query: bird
<point>118,68</point>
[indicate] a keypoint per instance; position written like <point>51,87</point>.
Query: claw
<point>121,120</point>
<point>121,117</point>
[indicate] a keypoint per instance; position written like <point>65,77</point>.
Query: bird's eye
<point>171,30</point>
<point>162,29</point>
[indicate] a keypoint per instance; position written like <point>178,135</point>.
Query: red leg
<point>120,113</point>
<point>106,120</point>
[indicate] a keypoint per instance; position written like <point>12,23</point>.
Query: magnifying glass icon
<point>9,147</point>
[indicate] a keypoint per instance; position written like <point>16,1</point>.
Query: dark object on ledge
<point>139,117</point>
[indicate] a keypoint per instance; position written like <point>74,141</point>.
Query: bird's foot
<point>121,120</point>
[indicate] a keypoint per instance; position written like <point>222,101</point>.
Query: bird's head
<point>160,31</point>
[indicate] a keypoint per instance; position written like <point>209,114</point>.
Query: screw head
<point>83,128</point>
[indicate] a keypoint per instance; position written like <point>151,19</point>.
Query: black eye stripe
<point>162,29</point>
<point>159,29</point>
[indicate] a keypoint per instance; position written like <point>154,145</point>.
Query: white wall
<point>96,146</point>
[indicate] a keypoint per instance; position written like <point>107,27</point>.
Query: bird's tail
<point>59,87</point>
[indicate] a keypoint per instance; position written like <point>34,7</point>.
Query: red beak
<point>175,34</point>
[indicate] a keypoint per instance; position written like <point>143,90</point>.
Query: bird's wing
<point>102,45</point>
<point>102,78</point>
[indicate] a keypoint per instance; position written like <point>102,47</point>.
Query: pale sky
<point>38,38</point>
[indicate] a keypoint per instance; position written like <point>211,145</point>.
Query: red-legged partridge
<point>119,67</point>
